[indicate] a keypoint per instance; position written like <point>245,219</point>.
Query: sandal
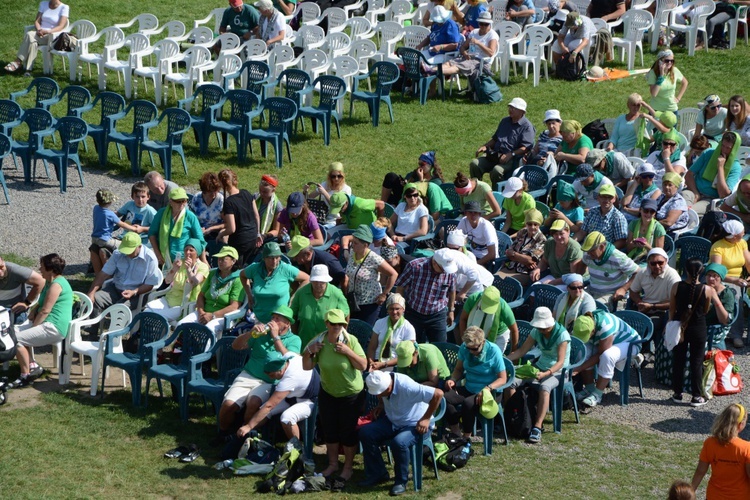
<point>12,67</point>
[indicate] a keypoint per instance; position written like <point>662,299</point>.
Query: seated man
<point>614,165</point>
<point>354,210</point>
<point>240,19</point>
<point>134,271</point>
<point>609,269</point>
<point>479,46</point>
<point>513,138</point>
<point>714,174</point>
<point>13,294</point>
<point>253,385</point>
<point>293,396</point>
<point>158,189</point>
<point>587,184</point>
<point>404,410</point>
<point>606,219</point>
<point>424,363</point>
<point>606,10</point>
<point>304,257</point>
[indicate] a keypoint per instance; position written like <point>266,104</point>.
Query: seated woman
<point>567,209</point>
<point>172,226</point>
<point>387,333</point>
<point>643,188</point>
<point>187,272</point>
<point>410,217</point>
<point>424,363</point>
<point>334,183</point>
<point>482,365</point>
<point>527,250</point>
<point>554,343</point>
<point>268,204</point>
<point>48,320</point>
<point>521,12</point>
<point>220,294</point>
<point>714,175</point>
<point>517,202</point>
<point>480,233</point>
<point>428,171</point>
<point>272,26</point>
<point>715,274</point>
<point>51,20</point>
<point>207,206</point>
<point>698,144</point>
<point>549,140</point>
<point>738,118</point>
<point>492,314</point>
<point>562,255</point>
<point>671,209</point>
<point>297,218</point>
<point>711,119</point>
<point>575,145</point>
<point>471,18</point>
<point>662,122</point>
<point>473,189</point>
<point>644,233</point>
<point>629,126</point>
<point>669,158</point>
<point>480,45</point>
<point>574,302</point>
<point>608,339</point>
<point>445,36</point>
<point>574,36</point>
<point>449,5</point>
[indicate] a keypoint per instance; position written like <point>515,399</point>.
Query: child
<point>728,456</point>
<point>137,212</point>
<point>105,223</point>
<point>681,490</point>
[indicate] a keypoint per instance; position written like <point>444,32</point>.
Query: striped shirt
<point>608,325</point>
<point>425,290</point>
<point>610,275</point>
<point>613,225</point>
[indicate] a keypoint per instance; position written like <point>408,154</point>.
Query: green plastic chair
<point>645,328</point>
<point>361,330</point>
<point>577,357</point>
<point>386,74</point>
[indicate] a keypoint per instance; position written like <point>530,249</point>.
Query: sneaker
<point>36,372</point>
<point>583,394</point>
<point>20,382</point>
<point>677,398</point>
<point>593,400</point>
<point>697,401</point>
<point>535,436</point>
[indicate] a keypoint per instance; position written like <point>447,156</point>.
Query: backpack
<point>603,49</point>
<point>450,454</point>
<point>571,71</point>
<point>287,470</point>
<point>520,411</point>
<point>711,226</point>
<point>485,88</point>
<point>596,131</point>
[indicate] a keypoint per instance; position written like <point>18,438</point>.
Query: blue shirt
<point>704,187</point>
<point>614,225</point>
<point>472,14</point>
<point>136,216</point>
<point>127,273</point>
<point>105,222</point>
<point>482,370</point>
<point>445,33</point>
<point>408,401</point>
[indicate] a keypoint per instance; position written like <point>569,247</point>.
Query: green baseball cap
<point>228,251</point>
<point>275,363</point>
<point>337,201</point>
<point>130,241</point>
<point>405,353</point>
<point>299,243</point>
<point>583,328</point>
<point>336,317</point>
<point>489,408</point>
<point>178,194</point>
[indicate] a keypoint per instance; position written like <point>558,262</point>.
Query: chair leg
<point>5,187</point>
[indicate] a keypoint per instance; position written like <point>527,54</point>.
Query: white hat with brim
<point>319,273</point>
<point>543,318</point>
<point>513,185</point>
<point>440,14</point>
<point>518,103</point>
<point>445,260</point>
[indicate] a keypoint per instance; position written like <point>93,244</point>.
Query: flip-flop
<point>177,452</point>
<point>195,452</point>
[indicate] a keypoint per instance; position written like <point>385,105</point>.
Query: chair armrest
<point>20,93</point>
<point>113,118</point>
<point>198,22</point>
<point>186,104</point>
<point>195,362</point>
<point>234,315</point>
<point>155,294</point>
<point>110,336</point>
<point>44,133</point>
<point>149,125</point>
<point>306,90</point>
<point>268,88</point>
<point>84,109</point>
<point>229,77</point>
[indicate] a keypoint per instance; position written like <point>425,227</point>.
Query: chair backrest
<point>200,34</point>
<point>337,18</point>
<point>668,246</point>
<point>691,247</point>
<point>143,112</point>
<point>256,74</point>
<point>230,360</point>
<point>4,145</point>
<point>524,329</point>
<point>84,311</point>
<point>195,56</point>
<point>293,81</point>
<point>178,120</point>
<point>338,43</point>
<point>389,32</point>
<point>504,242</point>
<point>254,48</point>
<point>45,88</point>
<point>542,207</point>
<point>686,120</point>
<point>638,321</point>
<point>577,353</point>
<point>399,8</point>
<point>312,59</point>
<point>279,55</point>
<point>506,30</point>
<point>226,64</point>
<point>539,37</point>
<point>37,119</point>
<point>635,23</point>
<point>310,35</point>
<point>230,43</point>
<point>174,29</point>
<point>449,352</point>
<point>361,330</point>
<point>196,339</point>
<point>145,23</point>
<point>701,10</point>
<point>535,176</point>
<point>241,102</point>
<point>544,295</point>
<point>414,35</point>
<point>412,59</point>
<point>344,66</point>
<point>510,288</point>
<point>114,38</point>
<point>331,88</point>
<point>10,114</point>
<point>743,154</point>
<point>77,96</point>
<point>111,104</point>
<point>151,327</point>
<point>497,9</point>
<point>310,12</point>
<point>386,75</point>
<point>138,44</point>
<point>83,28</point>
<point>281,111</point>
<point>358,28</point>
<point>449,189</point>
<point>205,96</point>
<point>319,208</point>
<point>72,130</point>
<point>216,14</point>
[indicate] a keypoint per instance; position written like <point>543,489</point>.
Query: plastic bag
<point>672,334</point>
<point>728,380</point>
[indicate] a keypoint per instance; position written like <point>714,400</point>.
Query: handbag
<point>65,42</point>
<point>351,296</point>
<point>674,331</point>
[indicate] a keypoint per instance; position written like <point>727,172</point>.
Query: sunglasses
<point>475,349</point>
<point>578,287</point>
<point>715,107</point>
<point>648,211</point>
<point>647,176</point>
<point>336,176</point>
<point>657,263</point>
<point>668,144</point>
<point>669,61</point>
<point>414,195</point>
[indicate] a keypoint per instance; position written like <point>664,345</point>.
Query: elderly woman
<point>714,175</point>
<point>549,140</point>
<point>445,36</point>
<point>567,209</point>
<point>268,204</point>
<point>267,283</point>
<point>643,188</point>
<point>184,278</point>
<point>341,361</point>
<point>48,319</point>
<point>733,254</point>
<point>562,255</point>
<point>51,20</point>
<point>409,220</point>
<point>516,203</point>
<point>241,219</point>
<point>480,234</point>
<point>493,315</point>
<point>574,302</point>
<point>387,333</point>
<point>574,37</point>
<point>738,118</point>
<point>313,301</point>
<point>480,45</point>
<point>527,250</point>
<point>669,158</point>
<point>663,79</point>
<point>473,189</point>
<point>220,294</point>
<point>671,209</point>
<point>554,343</point>
<point>172,226</point>
<point>575,144</point>
<point>644,233</point>
<point>482,366</point>
<point>207,206</point>
<point>715,275</point>
<point>297,218</point>
<point>711,120</point>
<point>272,26</point>
<point>629,127</point>
<point>363,277</point>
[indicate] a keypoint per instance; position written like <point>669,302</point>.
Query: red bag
<point>728,380</point>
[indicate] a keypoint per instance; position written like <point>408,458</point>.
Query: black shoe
<point>677,398</point>
<point>398,489</point>
<point>20,382</point>
<point>36,372</point>
<point>372,482</point>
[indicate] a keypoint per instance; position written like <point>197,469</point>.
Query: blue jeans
<point>429,328</point>
<point>375,434</point>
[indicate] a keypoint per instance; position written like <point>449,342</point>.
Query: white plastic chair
<point>661,20</point>
<point>139,46</point>
<point>174,30</point>
<point>359,28</point>
<point>166,51</point>
<point>310,37</point>
<point>701,9</point>
<point>389,33</point>
<point>310,13</point>
<point>216,15</point>
<point>83,30</point>
<point>230,43</point>
<point>740,17</point>
<point>313,62</point>
<point>414,35</point>
<point>363,51</point>
<point>609,124</point>
<point>338,44</point>
<point>119,317</point>
<point>693,221</point>
<point>400,11</point>
<point>352,7</point>
<point>254,50</point>
<point>345,67</point>
<point>337,18</point>
<point>635,25</point>
<point>509,33</point>
<point>375,9</point>
<point>114,39</point>
<point>147,24</point>
<point>186,306</point>
<point>536,39</point>
<point>196,58</point>
<point>497,9</point>
<point>686,120</point>
<point>280,58</point>
<point>198,35</point>
<point>225,64</point>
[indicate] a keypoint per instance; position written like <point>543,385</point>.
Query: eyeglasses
<point>657,263</point>
<point>668,144</point>
<point>413,195</point>
<point>572,287</point>
<point>647,211</point>
<point>336,176</point>
<point>669,61</point>
<point>715,107</point>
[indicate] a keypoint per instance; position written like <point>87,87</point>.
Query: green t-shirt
<point>583,142</point>
<point>219,294</point>
<point>270,291</point>
<point>503,317</point>
<point>240,23</point>
<point>62,310</point>
<point>262,347</point>
<point>659,231</point>
<point>479,195</point>
<point>558,267</point>
<point>664,100</point>
<point>362,211</point>
<point>516,211</point>
<point>337,375</point>
<point>429,358</point>
<point>309,312</point>
<point>436,199</point>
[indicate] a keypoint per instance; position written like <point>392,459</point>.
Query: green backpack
<point>287,470</point>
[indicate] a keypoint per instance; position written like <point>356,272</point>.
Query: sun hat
<point>570,278</point>
<point>513,185</point>
<point>606,190</point>
<point>552,114</point>
<point>485,18</point>
<point>649,204</point>
<point>533,215</point>
<point>565,191</point>
<point>195,243</point>
<point>284,311</point>
<point>645,168</point>
<point>378,233</point>
<point>595,72</point>
<point>439,14</point>
<point>559,225</point>
<point>337,202</point>
<point>363,233</point>
<point>378,382</point>
<point>542,318</point>
<point>130,241</point>
<point>456,238</point>
<point>583,327</point>
<point>271,249</point>
<point>395,298</point>
<point>584,171</point>
<point>733,227</point>
<point>673,178</point>
<point>490,301</point>
<point>299,243</point>
<point>489,408</point>
<point>294,203</point>
<point>518,103</point>
<point>388,252</point>
<point>594,238</point>
<point>226,251</point>
<point>709,100</point>
<point>275,363</point>
<point>445,260</point>
<point>667,118</point>
<point>405,353</point>
<point>657,251</point>
<point>264,5</point>
<point>319,273</point>
<point>717,268</point>
<point>473,206</point>
<point>336,317</point>
<point>573,19</point>
<point>595,156</point>
<point>178,193</point>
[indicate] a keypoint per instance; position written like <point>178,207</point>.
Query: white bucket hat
<point>543,318</point>
<point>320,274</point>
<point>518,103</point>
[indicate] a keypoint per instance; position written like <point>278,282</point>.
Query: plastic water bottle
<point>224,465</point>
<point>284,236</point>
<point>257,334</point>
<point>465,451</point>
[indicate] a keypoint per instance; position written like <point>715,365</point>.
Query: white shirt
<point>273,26</point>
<point>485,40</point>
<point>406,332</point>
<point>469,270</point>
<point>408,222</point>
<point>51,17</point>
<point>295,379</point>
<point>480,237</point>
<point>655,160</point>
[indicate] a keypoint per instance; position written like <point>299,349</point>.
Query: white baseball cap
<point>444,259</point>
<point>518,103</point>
<point>513,185</point>
<point>645,168</point>
<point>378,382</point>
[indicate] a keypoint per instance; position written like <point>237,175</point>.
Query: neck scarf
<point>608,251</point>
<point>569,313</point>
<point>266,217</point>
<point>220,286</point>
<point>709,173</point>
<point>479,318</point>
<point>165,233</point>
<point>643,194</point>
<point>641,138</point>
<point>639,253</point>
<point>385,346</point>
<point>267,25</point>
<point>598,176</point>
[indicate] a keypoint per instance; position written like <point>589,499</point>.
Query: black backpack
<point>711,226</point>
<point>449,453</point>
<point>520,411</point>
<point>287,470</point>
<point>571,71</point>
<point>596,131</point>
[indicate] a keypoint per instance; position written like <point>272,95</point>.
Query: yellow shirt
<point>732,255</point>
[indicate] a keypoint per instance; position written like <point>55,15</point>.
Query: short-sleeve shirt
<point>337,375</point>
<point>608,325</point>
<point>713,127</point>
<point>728,468</point>
<point>404,332</point>
<point>516,211</point>
<point>272,27</point>
<point>549,346</point>
<point>664,100</point>
<point>705,187</point>
<point>582,142</point>
<point>547,144</point>
<point>480,373</point>
<point>409,222</point>
<point>293,229</point>
<point>502,320</point>
<point>105,223</point>
<point>129,273</point>
<point>137,216</point>
<point>657,289</point>
<point>732,255</point>
<point>295,380</point>
<point>659,231</point>
<point>364,277</point>
<point>309,312</point>
<point>485,40</point>
<point>12,287</point>
<point>743,130</point>
<point>588,196</point>
<point>443,34</point>
<point>613,225</point>
<point>610,275</point>
<point>479,238</point>
<point>510,136</point>
<point>655,160</point>
<point>261,349</point>
<point>676,202</point>
<point>408,401</point>
<point>208,215</point>
<point>241,22</point>
<point>429,358</point>
<point>51,17</point>
<point>585,30</point>
<point>246,225</point>
<point>218,294</point>
<point>575,214</point>
<point>270,291</point>
<point>176,291</point>
<point>561,266</point>
<point>427,290</point>
<point>362,211</point>
<point>480,193</point>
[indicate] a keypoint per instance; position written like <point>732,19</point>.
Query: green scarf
<point>709,173</point>
<point>640,193</point>
<point>219,286</point>
<point>385,346</point>
<point>266,217</point>
<point>598,176</point>
<point>608,251</point>
<point>165,233</point>
<point>641,139</point>
<point>638,253</point>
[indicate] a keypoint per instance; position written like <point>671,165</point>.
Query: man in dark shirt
<point>304,257</point>
<point>240,19</point>
<point>607,10</point>
<point>158,189</point>
<point>512,139</point>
